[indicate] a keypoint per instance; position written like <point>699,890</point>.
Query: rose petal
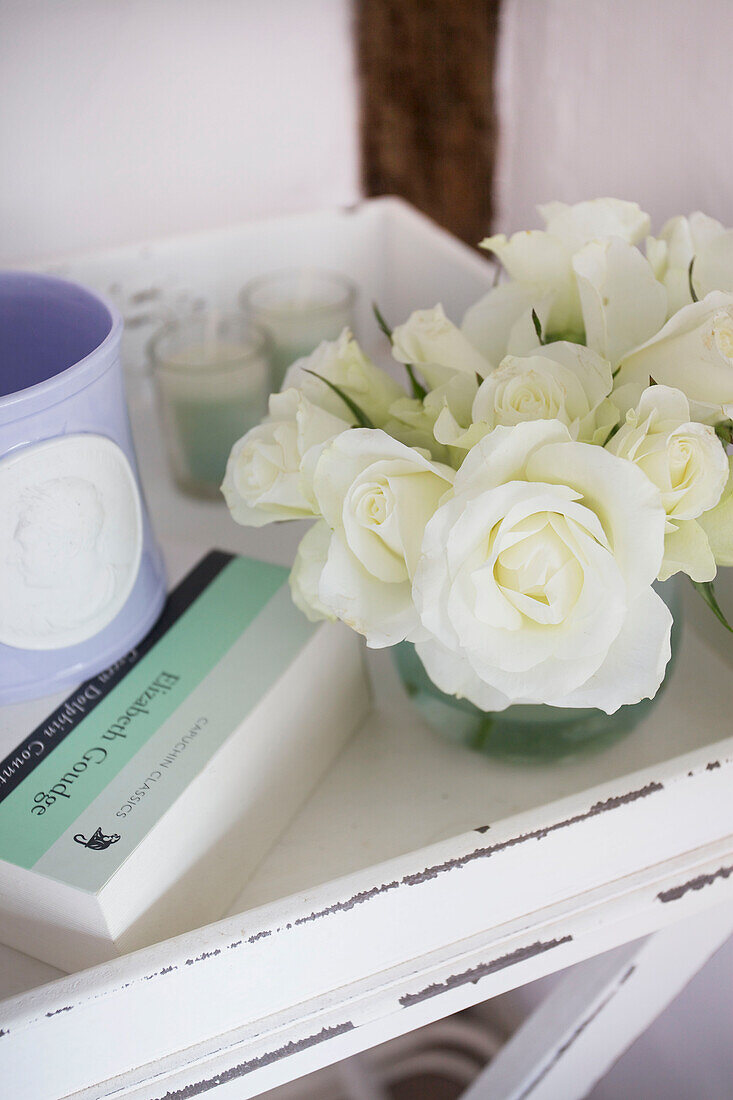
<point>306,572</point>
<point>383,613</point>
<point>450,672</point>
<point>624,499</point>
<point>635,665</point>
<point>622,302</point>
<point>687,550</point>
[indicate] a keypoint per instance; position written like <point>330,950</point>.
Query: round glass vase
<point>528,734</point>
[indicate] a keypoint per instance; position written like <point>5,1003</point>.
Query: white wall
<point>616,97</point>
<point>124,119</point>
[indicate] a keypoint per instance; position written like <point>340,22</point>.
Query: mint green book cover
<point>86,786</point>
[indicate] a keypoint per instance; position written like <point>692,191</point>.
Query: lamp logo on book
<point>98,842</point>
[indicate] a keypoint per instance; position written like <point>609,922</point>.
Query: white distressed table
<point>420,878</point>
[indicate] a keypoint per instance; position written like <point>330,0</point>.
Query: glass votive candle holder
<point>298,309</point>
<point>212,376</point>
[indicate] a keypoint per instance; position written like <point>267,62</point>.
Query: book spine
<point>47,736</point>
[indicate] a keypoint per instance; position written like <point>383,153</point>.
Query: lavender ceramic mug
<point>81,576</point>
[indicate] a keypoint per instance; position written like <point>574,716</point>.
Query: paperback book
<point>140,805</point>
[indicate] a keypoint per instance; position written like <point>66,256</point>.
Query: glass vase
<point>528,733</point>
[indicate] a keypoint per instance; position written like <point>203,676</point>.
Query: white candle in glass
<point>298,309</point>
<point>212,376</point>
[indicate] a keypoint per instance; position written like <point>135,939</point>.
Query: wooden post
<point>428,126</point>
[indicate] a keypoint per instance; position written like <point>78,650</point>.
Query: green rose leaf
<point>417,390</point>
<point>359,414</point>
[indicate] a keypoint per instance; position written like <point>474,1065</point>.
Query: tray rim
<point>595,915</point>
<point>588,918</point>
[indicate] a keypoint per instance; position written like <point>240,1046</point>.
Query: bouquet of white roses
<point>549,461</point>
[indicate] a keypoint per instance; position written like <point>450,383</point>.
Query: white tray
<point>420,878</point>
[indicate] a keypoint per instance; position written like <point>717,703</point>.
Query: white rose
<point>566,382</point>
<point>376,495</point>
<point>501,321</point>
<point>620,299</point>
<point>343,363</point>
<point>561,381</point>
<point>305,575</point>
<point>594,219</point>
<point>267,475</point>
<point>451,405</point>
<point>540,261</point>
<point>683,239</point>
<point>535,576</point>
<point>718,523</point>
<point>687,463</point>
<point>692,353</point>
<point>433,344</point>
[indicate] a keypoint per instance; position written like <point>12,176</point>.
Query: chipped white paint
<point>391,947</point>
<point>597,1010</point>
<point>420,878</point>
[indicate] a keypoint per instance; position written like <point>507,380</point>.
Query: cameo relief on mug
<point>70,540</point>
